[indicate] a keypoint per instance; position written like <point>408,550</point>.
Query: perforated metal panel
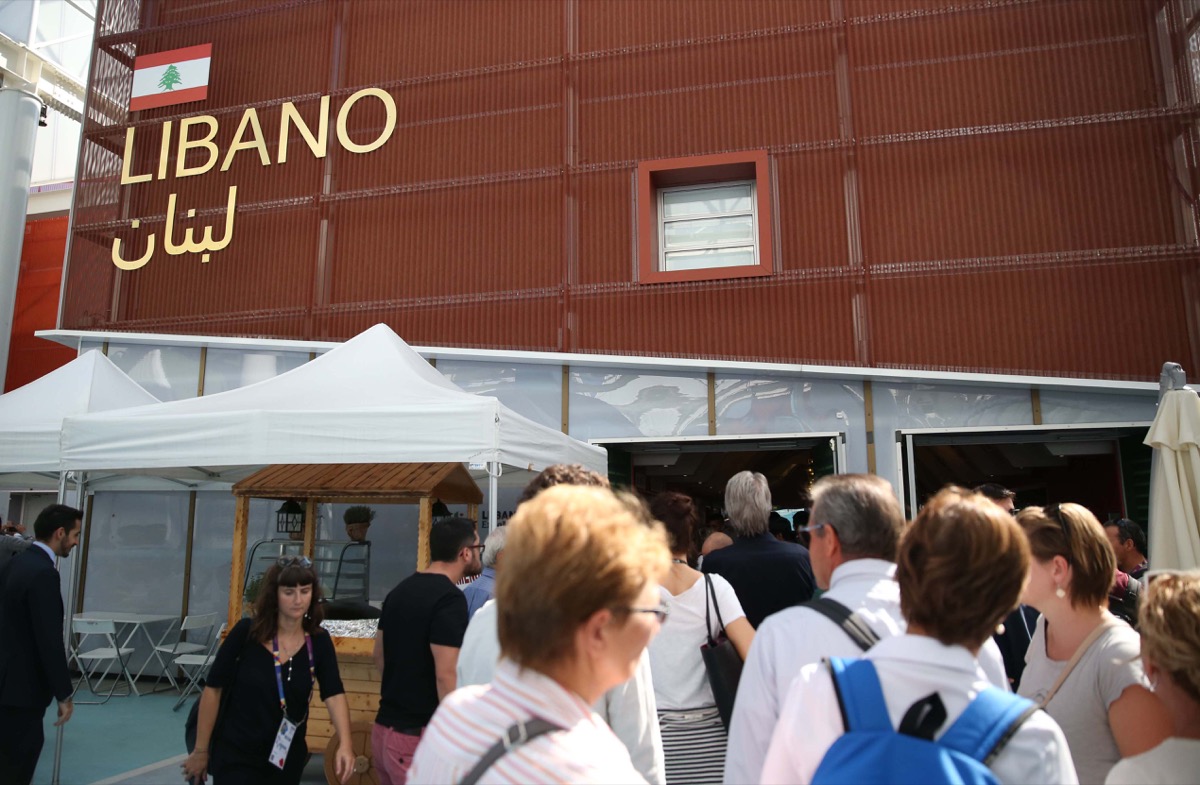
<point>999,185</point>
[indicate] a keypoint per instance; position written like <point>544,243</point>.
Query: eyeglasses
<point>479,548</point>
<point>1054,511</point>
<point>814,527</point>
<point>288,561</point>
<point>661,611</point>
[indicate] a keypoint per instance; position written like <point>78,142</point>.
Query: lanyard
<point>312,670</point>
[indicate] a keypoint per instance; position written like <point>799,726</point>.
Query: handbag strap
<point>1079,652</point>
<point>851,623</point>
<point>515,736</point>
<point>711,593</point>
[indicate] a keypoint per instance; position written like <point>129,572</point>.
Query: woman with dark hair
<point>1082,664</point>
<point>270,664</point>
<point>694,738</point>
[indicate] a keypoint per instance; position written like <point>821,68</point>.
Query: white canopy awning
<point>371,400</point>
<point>31,416</point>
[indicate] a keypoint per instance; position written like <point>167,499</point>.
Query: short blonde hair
<point>961,567</point>
<point>572,551</point>
<point>1169,621</point>
<point>1072,532</point>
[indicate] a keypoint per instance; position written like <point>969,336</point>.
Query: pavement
<point>134,740</point>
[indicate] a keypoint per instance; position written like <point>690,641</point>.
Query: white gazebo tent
<point>371,400</point>
<point>31,421</point>
<point>31,417</point>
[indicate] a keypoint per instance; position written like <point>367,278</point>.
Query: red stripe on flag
<point>173,56</point>
<point>166,99</point>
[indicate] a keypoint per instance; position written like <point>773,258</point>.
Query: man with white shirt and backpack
<point>855,526</point>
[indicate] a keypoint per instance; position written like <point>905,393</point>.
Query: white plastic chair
<point>195,666</point>
<point>203,621</point>
<point>108,652</point>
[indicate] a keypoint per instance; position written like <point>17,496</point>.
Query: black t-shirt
<point>424,608</point>
<point>252,714</point>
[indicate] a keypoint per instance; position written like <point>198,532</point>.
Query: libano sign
<point>181,76</point>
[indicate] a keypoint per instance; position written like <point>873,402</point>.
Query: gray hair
<point>748,503</point>
<point>863,510</point>
<point>494,545</point>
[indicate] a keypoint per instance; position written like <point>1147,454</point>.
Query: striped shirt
<point>470,720</point>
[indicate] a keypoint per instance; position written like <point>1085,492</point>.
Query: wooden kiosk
<point>381,483</point>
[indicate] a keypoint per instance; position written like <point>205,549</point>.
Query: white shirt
<point>629,709</point>
<point>1174,762</point>
<point>795,637</point>
<point>910,667</point>
<point>471,719</point>
<point>680,679</point>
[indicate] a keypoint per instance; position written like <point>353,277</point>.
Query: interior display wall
<point>986,186</point>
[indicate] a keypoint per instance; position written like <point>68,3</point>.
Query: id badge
<point>283,743</point>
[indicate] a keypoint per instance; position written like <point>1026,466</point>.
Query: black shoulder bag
<point>721,660</point>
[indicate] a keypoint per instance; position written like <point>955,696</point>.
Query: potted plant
<point>251,593</point>
<point>358,519</point>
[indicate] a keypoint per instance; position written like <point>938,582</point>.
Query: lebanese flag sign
<point>175,77</point>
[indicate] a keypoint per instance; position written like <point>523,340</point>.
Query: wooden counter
<point>362,682</point>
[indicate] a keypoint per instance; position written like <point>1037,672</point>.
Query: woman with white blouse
<point>694,737</point>
<point>1169,622</point>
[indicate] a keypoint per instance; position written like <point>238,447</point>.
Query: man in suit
<point>33,660</point>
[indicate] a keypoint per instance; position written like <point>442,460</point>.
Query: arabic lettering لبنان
<point>206,245</point>
<point>136,263</point>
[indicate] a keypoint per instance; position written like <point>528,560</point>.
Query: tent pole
<point>72,587</point>
<point>493,478</point>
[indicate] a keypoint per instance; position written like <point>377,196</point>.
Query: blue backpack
<point>872,751</point>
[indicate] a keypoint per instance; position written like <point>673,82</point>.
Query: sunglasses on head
<point>289,561</point>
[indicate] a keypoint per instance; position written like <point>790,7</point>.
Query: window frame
<point>655,177</point>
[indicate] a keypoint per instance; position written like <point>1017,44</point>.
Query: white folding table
<point>133,622</point>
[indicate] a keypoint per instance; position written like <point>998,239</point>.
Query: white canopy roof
<point>31,417</point>
<point>372,399</point>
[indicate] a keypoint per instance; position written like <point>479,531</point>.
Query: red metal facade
<point>36,304</point>
<point>990,185</point>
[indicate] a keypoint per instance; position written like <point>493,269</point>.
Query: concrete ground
<point>135,740</point>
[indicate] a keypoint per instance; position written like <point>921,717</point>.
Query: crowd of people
<point>976,641</point>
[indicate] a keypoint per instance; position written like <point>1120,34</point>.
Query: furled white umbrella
<point>1174,525</point>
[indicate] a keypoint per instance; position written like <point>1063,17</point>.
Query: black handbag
<point>721,659</point>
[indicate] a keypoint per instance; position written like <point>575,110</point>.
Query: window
<point>704,218</point>
<point>706,226</point>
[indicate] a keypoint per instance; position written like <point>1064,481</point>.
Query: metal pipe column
<point>19,114</point>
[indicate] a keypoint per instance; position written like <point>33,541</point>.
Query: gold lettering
<point>249,120</point>
<point>185,144</point>
<point>389,105</point>
<point>206,244</point>
<point>127,162</point>
<point>163,148</point>
<point>136,263</point>
<point>291,116</point>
